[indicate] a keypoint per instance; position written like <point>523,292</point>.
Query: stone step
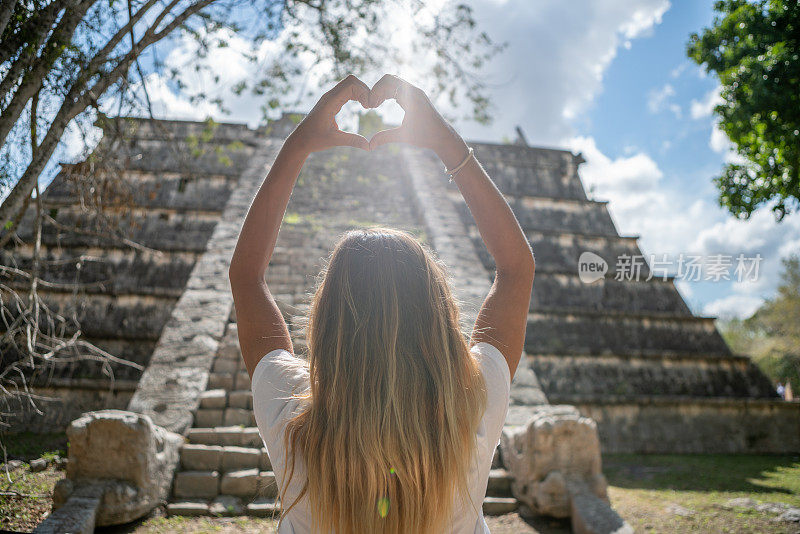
<point>225,505</point>
<point>210,484</point>
<point>499,483</point>
<point>499,505</point>
<point>226,435</point>
<point>201,491</point>
<point>232,505</point>
<point>216,398</point>
<point>229,380</point>
<point>225,416</point>
<point>196,457</point>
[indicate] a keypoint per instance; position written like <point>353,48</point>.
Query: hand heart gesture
<point>319,131</point>
<point>422,125</point>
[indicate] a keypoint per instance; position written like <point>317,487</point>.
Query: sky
<point>609,79</point>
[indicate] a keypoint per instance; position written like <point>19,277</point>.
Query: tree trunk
<point>77,99</point>
<point>39,25</point>
<point>6,10</point>
<point>32,81</point>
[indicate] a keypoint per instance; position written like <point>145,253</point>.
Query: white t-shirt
<point>279,374</point>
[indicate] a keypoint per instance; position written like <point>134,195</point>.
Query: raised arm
<point>260,323</point>
<point>503,317</point>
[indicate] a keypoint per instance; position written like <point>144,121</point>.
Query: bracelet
<point>460,166</point>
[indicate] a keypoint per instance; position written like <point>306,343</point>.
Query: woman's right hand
<point>422,125</point>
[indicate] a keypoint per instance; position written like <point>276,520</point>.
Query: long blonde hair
<point>387,429</point>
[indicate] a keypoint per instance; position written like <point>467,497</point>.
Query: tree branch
<point>6,10</point>
<point>32,80</point>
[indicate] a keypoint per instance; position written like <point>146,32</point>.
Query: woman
<point>391,424</point>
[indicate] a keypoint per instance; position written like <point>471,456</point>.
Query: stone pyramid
<point>629,354</point>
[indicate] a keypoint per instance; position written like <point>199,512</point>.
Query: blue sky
<point>612,80</point>
<point>609,79</point>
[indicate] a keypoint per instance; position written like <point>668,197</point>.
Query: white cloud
<point>673,221</point>
<point>677,71</point>
<point>758,234</point>
<point>657,99</point>
<point>733,306</point>
<point>557,56</point>
<point>718,141</point>
<point>637,172</point>
<point>660,99</point>
<point>565,58</point>
<point>704,108</point>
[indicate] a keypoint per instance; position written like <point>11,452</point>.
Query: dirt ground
<point>654,493</point>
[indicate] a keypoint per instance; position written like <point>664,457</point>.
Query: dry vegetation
<point>654,493</point>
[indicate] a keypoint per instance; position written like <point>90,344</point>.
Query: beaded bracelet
<point>460,165</point>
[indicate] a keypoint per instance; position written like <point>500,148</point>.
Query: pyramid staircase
<point>144,219</point>
<point>224,469</point>
<point>627,353</point>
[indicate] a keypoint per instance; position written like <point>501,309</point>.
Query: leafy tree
<point>66,62</point>
<point>60,58</point>
<point>772,335</point>
<point>753,48</point>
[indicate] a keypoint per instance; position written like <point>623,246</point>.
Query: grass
<point>198,525</point>
<point>26,497</point>
<point>653,492</point>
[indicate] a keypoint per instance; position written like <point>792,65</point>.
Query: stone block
<point>237,416</point>
<point>132,458</point>
<point>209,418</point>
<point>189,508</point>
<point>592,515</point>
<point>226,506</point>
<point>557,447</point>
<point>240,399</point>
<point>213,398</point>
<point>267,484</point>
<point>229,348</point>
<point>204,436</point>
<point>236,458</point>
<point>222,365</point>
<point>499,505</point>
<point>77,515</point>
<point>220,381</point>
<point>263,507</point>
<point>499,484</point>
<point>242,483</point>
<point>497,460</point>
<point>39,464</point>
<point>196,484</point>
<point>201,457</point>
<point>228,435</point>
<point>242,381</point>
<point>250,437</point>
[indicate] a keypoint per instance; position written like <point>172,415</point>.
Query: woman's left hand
<point>319,131</point>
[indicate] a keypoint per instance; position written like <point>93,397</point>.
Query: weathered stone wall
<point>70,399</point>
<point>178,371</point>
<point>587,333</point>
<point>607,294</point>
<point>694,425</point>
<point>522,170</point>
<point>563,377</point>
<point>163,186</point>
<point>553,215</point>
<point>612,348</point>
